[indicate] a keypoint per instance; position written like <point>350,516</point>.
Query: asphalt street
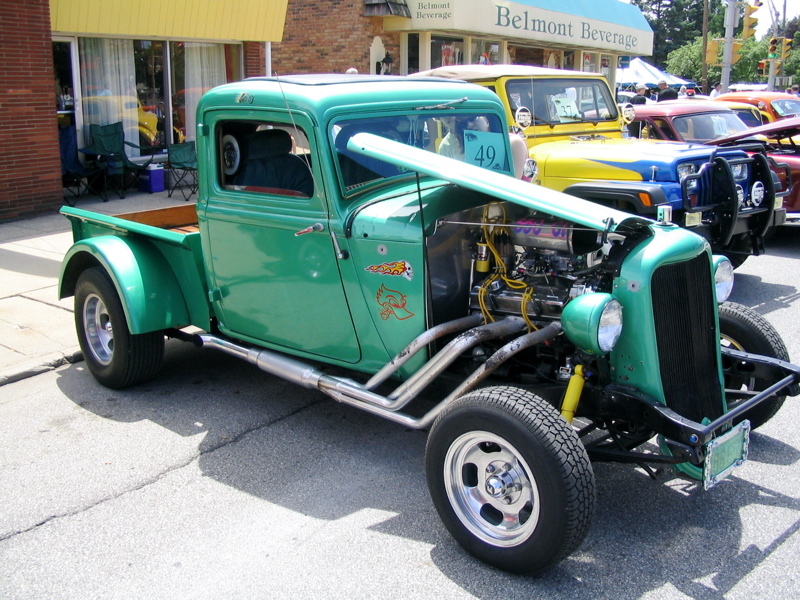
<point>218,481</point>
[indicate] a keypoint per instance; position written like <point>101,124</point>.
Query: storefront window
<point>485,52</point>
<point>446,52</point>
<point>196,68</point>
<point>124,81</point>
<point>62,62</point>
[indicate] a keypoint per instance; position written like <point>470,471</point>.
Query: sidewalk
<point>37,331</point>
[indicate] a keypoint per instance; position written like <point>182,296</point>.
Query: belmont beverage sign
<point>626,31</point>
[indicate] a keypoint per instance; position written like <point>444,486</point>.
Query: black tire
<point>510,479</point>
<point>741,328</point>
<point>115,357</point>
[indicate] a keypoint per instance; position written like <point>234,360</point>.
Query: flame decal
<point>398,267</point>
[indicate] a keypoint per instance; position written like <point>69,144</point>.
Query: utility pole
<point>704,75</point>
<point>731,17</point>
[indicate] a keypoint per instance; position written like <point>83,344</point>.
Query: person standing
<point>666,93</point>
<point>717,90</point>
<point>635,127</point>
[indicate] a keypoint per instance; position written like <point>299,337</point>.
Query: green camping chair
<point>108,152</point>
<point>182,167</point>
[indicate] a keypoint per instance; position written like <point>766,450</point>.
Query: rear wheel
<point>115,357</point>
<point>743,329</point>
<point>510,479</point>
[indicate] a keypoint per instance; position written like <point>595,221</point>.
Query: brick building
<point>30,172</point>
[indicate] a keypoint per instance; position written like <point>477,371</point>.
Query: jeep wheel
<point>743,329</point>
<point>115,357</point>
<point>510,479</point>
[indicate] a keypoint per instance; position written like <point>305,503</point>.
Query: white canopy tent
<point>642,72</point>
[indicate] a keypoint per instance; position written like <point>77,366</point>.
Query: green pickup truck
<point>334,246</point>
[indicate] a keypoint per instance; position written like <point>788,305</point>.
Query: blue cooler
<point>152,180</point>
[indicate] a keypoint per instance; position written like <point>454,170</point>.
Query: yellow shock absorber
<point>573,395</point>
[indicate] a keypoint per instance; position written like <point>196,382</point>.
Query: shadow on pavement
<point>299,450</point>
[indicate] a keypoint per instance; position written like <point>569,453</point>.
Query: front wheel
<point>510,479</point>
<point>743,329</point>
<point>115,357</point>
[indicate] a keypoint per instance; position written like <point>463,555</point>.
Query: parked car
<point>532,331</point>
<point>773,106</point>
<point>688,121</point>
<point>546,104</point>
<point>707,123</point>
<point>779,140</point>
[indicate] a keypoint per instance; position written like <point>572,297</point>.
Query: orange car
<point>772,105</point>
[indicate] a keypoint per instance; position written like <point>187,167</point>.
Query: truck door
<point>273,271</point>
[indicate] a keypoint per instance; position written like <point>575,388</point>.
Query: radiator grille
<point>683,311</point>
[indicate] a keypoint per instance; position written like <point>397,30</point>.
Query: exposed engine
<point>521,264</point>
<point>533,265</point>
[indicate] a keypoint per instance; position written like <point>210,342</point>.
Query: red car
<point>686,121</point>
<point>780,140</point>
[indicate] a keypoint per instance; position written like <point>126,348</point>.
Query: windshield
<point>787,107</point>
<point>562,100</point>
<point>748,116</point>
<point>475,138</point>
<point>708,126</point>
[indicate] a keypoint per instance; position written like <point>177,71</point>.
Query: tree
<point>677,23</point>
<point>686,62</point>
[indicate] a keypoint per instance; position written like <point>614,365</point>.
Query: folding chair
<point>75,178</point>
<point>182,167</point>
<point>108,150</point>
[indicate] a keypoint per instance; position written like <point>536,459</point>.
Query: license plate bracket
<point>726,453</point>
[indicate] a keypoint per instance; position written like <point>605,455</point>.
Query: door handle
<point>310,229</point>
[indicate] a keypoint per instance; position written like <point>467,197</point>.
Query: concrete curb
<point>41,365</point>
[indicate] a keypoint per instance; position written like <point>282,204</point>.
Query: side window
<point>265,157</point>
<point>663,131</point>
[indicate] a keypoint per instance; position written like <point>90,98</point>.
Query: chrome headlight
<point>740,171</point>
<point>685,169</point>
<point>757,193</point>
<point>593,322</point>
<point>530,171</point>
<point>723,277</point>
<point>740,194</point>
<point>628,113</point>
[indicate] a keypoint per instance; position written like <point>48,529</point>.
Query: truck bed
<point>182,218</point>
<point>161,241</point>
<point>168,224</point>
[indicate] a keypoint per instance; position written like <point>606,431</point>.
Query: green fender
<point>150,294</point>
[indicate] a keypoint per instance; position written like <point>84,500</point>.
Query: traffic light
<point>712,52</point>
<point>737,51</point>
<point>749,23</point>
<point>773,47</point>
<point>786,47</point>
<point>762,68</point>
